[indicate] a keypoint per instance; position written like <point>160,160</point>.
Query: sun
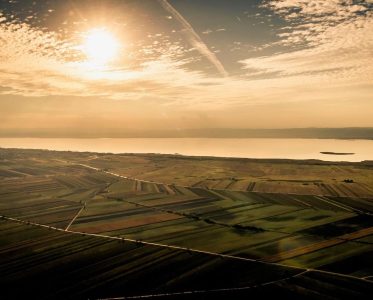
<point>100,46</point>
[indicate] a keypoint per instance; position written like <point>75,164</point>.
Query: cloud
<point>33,61</point>
<point>326,54</point>
<point>194,38</point>
<point>38,63</point>
<point>335,41</point>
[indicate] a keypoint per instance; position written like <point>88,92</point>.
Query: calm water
<point>251,148</point>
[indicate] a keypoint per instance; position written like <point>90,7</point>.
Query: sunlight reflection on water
<point>250,148</point>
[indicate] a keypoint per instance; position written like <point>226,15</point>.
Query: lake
<point>249,148</point>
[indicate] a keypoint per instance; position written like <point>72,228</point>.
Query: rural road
<point>189,250</point>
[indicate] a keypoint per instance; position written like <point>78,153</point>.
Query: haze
<point>180,64</point>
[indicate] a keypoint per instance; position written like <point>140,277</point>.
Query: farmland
<point>90,225</point>
<point>310,177</point>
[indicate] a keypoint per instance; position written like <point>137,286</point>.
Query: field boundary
<point>189,250</point>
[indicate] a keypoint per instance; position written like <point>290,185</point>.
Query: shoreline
<point>201,158</point>
<point>190,137</point>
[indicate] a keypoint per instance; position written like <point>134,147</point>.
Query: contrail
<point>194,38</point>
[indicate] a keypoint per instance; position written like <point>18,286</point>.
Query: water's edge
<point>256,148</point>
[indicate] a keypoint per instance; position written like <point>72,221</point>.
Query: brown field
<point>297,215</point>
<point>270,176</point>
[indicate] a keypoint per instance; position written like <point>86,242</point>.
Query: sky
<point>86,65</point>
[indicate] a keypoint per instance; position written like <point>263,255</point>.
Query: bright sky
<point>157,64</point>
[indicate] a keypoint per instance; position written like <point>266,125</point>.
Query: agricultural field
<point>95,226</point>
<point>51,264</point>
<point>310,177</point>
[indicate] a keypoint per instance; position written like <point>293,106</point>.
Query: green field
<point>85,225</point>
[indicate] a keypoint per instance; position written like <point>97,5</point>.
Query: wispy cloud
<point>326,50</point>
<point>330,41</point>
<point>194,38</point>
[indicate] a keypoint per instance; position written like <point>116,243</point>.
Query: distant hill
<point>325,133</point>
<point>322,133</point>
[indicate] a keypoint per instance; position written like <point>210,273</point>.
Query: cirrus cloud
<point>331,40</point>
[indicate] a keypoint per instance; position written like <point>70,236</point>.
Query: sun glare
<point>100,46</point>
